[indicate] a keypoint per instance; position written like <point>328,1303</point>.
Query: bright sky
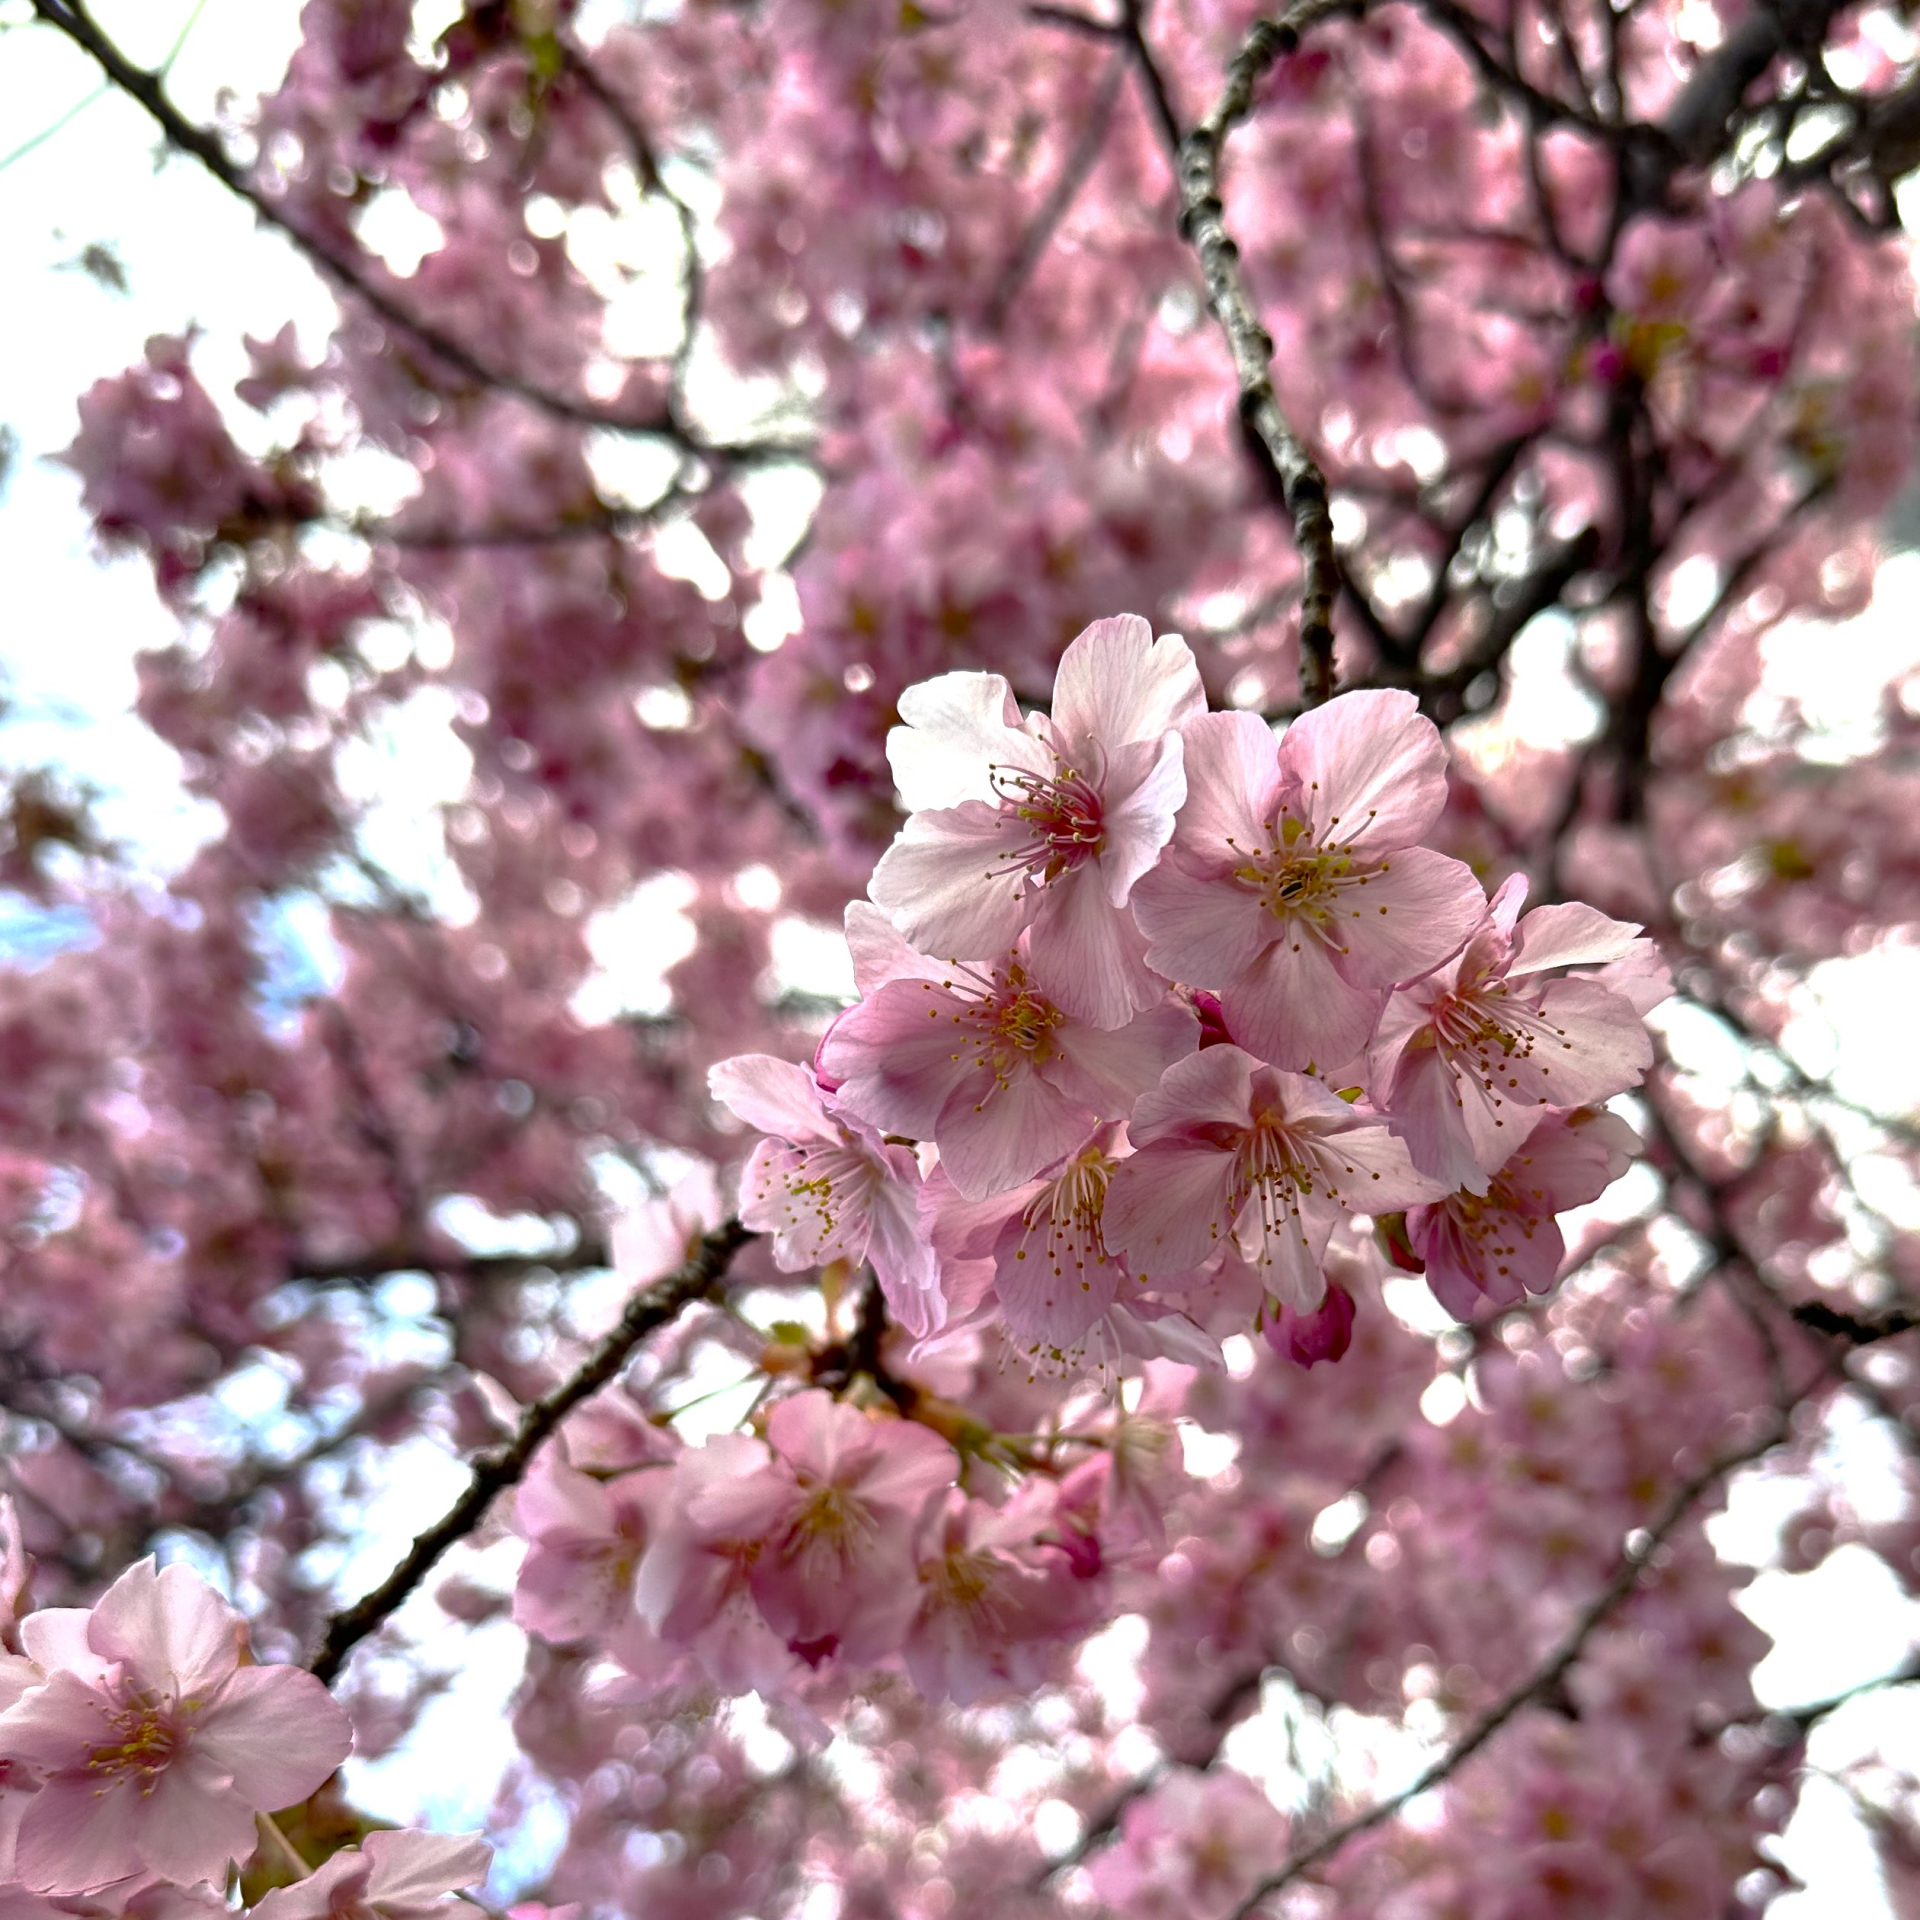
<point>73,623</point>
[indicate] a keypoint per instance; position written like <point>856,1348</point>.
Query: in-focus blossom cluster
<point>746,1562</point>
<point>1153,998</point>
<point>140,1745</point>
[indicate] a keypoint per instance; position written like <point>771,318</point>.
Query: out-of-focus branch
<point>71,18</point>
<point>492,1474</point>
<point>1053,209</point>
<point>1634,1560</point>
<point>1302,485</point>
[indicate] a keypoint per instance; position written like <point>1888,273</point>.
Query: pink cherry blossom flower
<point>1046,823</point>
<point>1505,1244</point>
<point>1468,1057</point>
<point>993,1600</point>
<point>827,1188</point>
<point>694,1587</point>
<point>1056,1282</point>
<point>1226,1147</point>
<point>1294,885</point>
<point>836,1510</point>
<point>585,1539</point>
<point>389,1876</point>
<point>155,1746</point>
<point>1000,1077</point>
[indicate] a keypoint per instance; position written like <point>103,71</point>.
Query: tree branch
<point>1302,486</point>
<point>1053,209</point>
<point>1634,1559</point>
<point>71,18</point>
<point>491,1475</point>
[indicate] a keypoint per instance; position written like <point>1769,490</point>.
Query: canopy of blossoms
<point>1235,570</point>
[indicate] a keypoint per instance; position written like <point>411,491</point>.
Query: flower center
<point>1064,816</point>
<point>1300,880</point>
<point>1025,1020</point>
<point>829,1531</point>
<point>1495,1031</point>
<point>150,1739</point>
<point>821,1184</point>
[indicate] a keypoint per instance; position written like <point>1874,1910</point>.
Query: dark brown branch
<point>1853,1328</point>
<point>71,18</point>
<point>1634,1559</point>
<point>1053,209</point>
<point>1302,485</point>
<point>1048,16</point>
<point>492,1474</point>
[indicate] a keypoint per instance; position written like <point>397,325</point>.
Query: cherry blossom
<point>826,1187</point>
<point>1466,1056</point>
<point>982,1063</point>
<point>153,1745</point>
<point>1504,1243</point>
<point>388,1876</point>
<point>1295,885</point>
<point>1229,1151</point>
<point>1046,823</point>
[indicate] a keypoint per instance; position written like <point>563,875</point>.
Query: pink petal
<point>174,1634</point>
<point>1201,932</point>
<point>1167,1205</point>
<point>1604,1047</point>
<point>1413,911</point>
<point>774,1096</point>
<point>1140,816</point>
<point>1108,1071</point>
<point>1232,767</point>
<point>994,1135</point>
<point>1285,1251</point>
<point>1570,934</point>
<point>949,882</point>
<point>1373,1172</point>
<point>1116,683</point>
<point>903,1258</point>
<point>335,1885</point>
<point>1428,1103</point>
<point>956,726</point>
<point>897,1059</point>
<point>878,952</point>
<point>1210,1088</point>
<point>1151,1331</point>
<point>780,1195</point>
<point>56,1725</point>
<point>56,1638</point>
<point>412,1871</point>
<point>1087,956</point>
<point>556,1501</point>
<point>1294,1008</point>
<point>278,1731</point>
<point>183,1833</point>
<point>1050,1294</point>
<point>76,1837</point>
<point>1373,768</point>
<point>911,1465</point>
<point>1508,898</point>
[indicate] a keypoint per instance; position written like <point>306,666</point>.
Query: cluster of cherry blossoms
<point>1153,998</point>
<point>141,1747</point>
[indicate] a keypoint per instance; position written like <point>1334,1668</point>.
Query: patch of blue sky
<point>293,935</point>
<point>30,934</point>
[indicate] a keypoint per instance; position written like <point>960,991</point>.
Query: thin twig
<point>1302,485</point>
<point>1053,209</point>
<point>492,1474</point>
<point>71,18</point>
<point>1634,1559</point>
